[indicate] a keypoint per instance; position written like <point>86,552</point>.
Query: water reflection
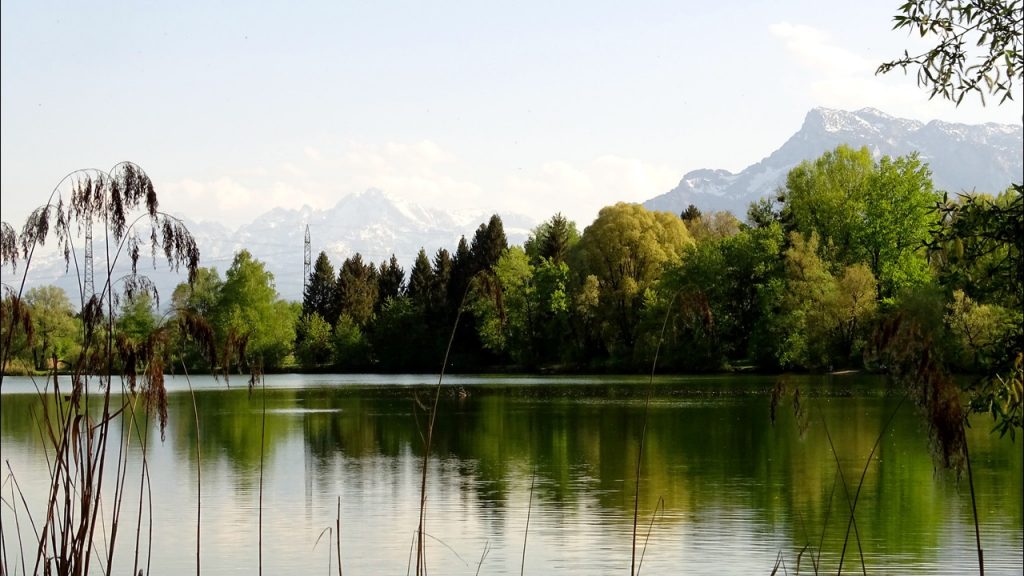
<point>735,487</point>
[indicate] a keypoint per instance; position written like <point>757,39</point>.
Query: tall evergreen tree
<point>489,243</point>
<point>561,235</point>
<point>462,271</point>
<point>356,292</point>
<point>319,297</point>
<point>390,281</point>
<point>442,276</point>
<point>421,279</point>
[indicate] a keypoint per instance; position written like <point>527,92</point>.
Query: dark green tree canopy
<point>421,279</point>
<point>390,280</point>
<point>357,289</point>
<point>319,295</point>
<point>552,240</point>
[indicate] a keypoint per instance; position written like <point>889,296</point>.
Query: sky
<point>235,108</point>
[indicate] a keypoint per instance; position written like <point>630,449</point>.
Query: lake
<point>723,488</point>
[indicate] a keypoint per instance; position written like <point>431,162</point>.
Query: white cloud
<point>226,200</point>
<point>813,49</point>
<point>422,172</point>
<point>580,192</point>
<point>842,78</point>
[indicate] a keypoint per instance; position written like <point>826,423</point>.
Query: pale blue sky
<point>234,108</point>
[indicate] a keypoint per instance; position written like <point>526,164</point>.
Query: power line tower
<point>88,285</point>
<point>306,261</point>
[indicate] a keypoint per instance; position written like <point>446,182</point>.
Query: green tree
<point>201,296</point>
<point>865,211</point>
<point>977,46</point>
<point>506,324</point>
<point>390,281</point>
<point>808,306</point>
<point>55,331</point>
<point>195,304</point>
<point>489,243</point>
<point>314,340</point>
<point>318,297</point>
<point>691,214</point>
<point>552,239</point>
<point>421,280</point>
<point>350,346</point>
<point>356,293</point>
<point>626,249</point>
<point>400,339</point>
<point>725,299</point>
<point>249,310</point>
<point>137,317</point>
<point>713,226</point>
<point>898,210</point>
<point>441,274</point>
<point>826,197</point>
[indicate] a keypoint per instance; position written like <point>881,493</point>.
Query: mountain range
<point>962,157</point>
<point>372,223</point>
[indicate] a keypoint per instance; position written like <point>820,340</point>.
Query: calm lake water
<point>723,489</point>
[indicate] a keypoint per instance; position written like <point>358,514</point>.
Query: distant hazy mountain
<point>962,157</point>
<point>371,223</point>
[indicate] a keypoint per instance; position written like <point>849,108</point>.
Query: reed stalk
<point>643,435</point>
<point>421,558</point>
<point>526,532</point>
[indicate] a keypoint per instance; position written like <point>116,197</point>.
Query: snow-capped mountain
<point>962,157</point>
<point>372,223</point>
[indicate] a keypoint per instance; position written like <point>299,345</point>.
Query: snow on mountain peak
<point>961,157</point>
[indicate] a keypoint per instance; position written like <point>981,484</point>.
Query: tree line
<point>803,284</point>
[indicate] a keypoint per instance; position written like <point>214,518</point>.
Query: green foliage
<point>400,339</point>
<point>862,211</point>
<point>722,306</point>
<point>350,346</point>
<point>421,279</point>
<point>552,240</point>
<point>979,245</point>
<point>898,214</point>
<point>980,330</point>
<point>318,297</point>
<point>390,281</point>
<point>977,46</point>
<point>625,250</point>
<point>56,333</point>
<point>314,341</point>
<point>489,243</point>
<point>249,308</point>
<point>356,294</point>
<point>507,324</point>
<point>137,317</point>
<point>712,226</point>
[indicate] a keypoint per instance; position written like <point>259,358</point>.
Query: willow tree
<point>625,250</point>
<point>975,46</point>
